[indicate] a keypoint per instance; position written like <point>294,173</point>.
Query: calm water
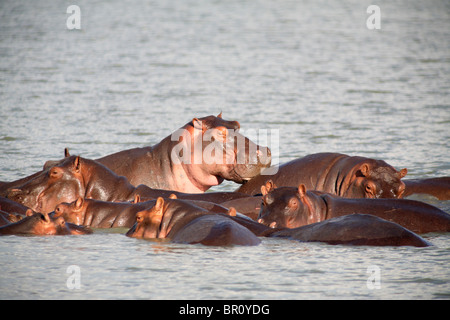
<point>136,72</point>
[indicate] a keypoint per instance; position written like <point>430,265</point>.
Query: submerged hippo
<point>75,177</point>
<point>182,222</point>
<point>41,224</point>
<point>294,207</point>
<point>339,174</point>
<point>355,229</point>
<point>180,161</point>
<point>186,224</point>
<point>105,214</point>
<point>437,187</point>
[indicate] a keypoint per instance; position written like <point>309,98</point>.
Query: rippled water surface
<point>137,71</point>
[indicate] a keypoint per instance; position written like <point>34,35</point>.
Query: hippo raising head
<point>195,157</point>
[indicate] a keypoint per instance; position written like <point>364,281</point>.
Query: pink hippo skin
<point>170,164</point>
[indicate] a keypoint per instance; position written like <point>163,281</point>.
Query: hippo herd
<point>325,197</point>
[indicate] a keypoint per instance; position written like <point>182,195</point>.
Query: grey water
<point>136,71</point>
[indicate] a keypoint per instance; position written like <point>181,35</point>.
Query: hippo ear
<point>79,203</point>
<point>264,190</point>
<point>157,212</point>
<point>29,213</point>
<point>270,185</point>
<point>232,212</point>
<point>159,204</point>
<point>402,173</point>
<point>173,196</point>
<point>365,170</point>
<point>220,115</point>
<point>197,124</point>
<point>137,198</point>
<point>77,164</point>
<point>66,153</point>
<point>302,190</point>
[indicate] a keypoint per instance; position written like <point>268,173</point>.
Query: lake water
<point>311,70</point>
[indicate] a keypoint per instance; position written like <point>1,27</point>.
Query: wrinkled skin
<point>182,222</point>
<point>41,224</point>
<point>339,174</point>
<point>170,164</point>
<point>292,207</point>
<point>105,214</point>
<point>75,177</point>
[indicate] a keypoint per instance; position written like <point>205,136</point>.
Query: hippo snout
<point>264,156</point>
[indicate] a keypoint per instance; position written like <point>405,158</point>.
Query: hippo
<point>105,214</point>
<point>41,224</point>
<point>75,177</point>
<point>294,207</point>
<point>355,229</point>
<point>339,174</point>
<point>183,222</point>
<point>438,187</point>
<point>178,161</point>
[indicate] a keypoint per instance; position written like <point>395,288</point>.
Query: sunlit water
<point>136,72</point>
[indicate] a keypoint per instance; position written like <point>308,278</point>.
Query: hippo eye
<point>55,173</point>
<point>293,203</point>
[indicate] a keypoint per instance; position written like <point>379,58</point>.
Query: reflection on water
<point>136,72</point>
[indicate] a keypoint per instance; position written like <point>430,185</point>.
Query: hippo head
<point>375,179</point>
<point>148,222</point>
<point>41,224</point>
<point>285,207</point>
<point>73,212</point>
<point>217,151</point>
<point>61,182</point>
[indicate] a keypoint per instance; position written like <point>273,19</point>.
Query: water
<point>136,72</point>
